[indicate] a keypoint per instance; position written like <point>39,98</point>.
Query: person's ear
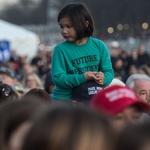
<point>86,23</point>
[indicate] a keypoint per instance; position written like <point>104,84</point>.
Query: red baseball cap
<point>115,99</point>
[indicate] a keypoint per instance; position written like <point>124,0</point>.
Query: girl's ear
<point>86,23</point>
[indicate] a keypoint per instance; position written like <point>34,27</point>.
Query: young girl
<point>81,57</point>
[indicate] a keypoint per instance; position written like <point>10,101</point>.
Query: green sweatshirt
<point>70,61</point>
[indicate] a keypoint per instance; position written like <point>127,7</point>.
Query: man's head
<point>140,84</point>
<point>121,104</point>
<point>8,76</point>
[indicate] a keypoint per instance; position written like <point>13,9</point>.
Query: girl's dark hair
<point>78,15</point>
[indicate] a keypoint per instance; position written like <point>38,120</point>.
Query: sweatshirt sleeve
<point>106,65</point>
<point>60,76</point>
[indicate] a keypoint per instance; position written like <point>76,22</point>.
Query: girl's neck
<point>81,41</point>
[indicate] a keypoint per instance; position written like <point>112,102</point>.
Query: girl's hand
<point>99,78</point>
<point>89,75</point>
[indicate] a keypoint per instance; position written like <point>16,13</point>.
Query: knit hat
<point>115,99</point>
<point>7,71</point>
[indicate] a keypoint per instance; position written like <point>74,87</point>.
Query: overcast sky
<point>4,3</point>
<point>8,1</point>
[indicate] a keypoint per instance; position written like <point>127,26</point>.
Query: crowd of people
<point>128,62</point>
<point>60,100</point>
<point>116,118</point>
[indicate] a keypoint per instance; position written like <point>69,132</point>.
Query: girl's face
<point>67,29</point>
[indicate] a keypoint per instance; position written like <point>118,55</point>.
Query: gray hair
<point>131,79</point>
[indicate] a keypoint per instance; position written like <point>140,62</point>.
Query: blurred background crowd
<point>120,116</point>
<point>36,73</point>
<point>124,30</point>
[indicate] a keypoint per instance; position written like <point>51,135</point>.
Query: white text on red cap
<point>119,93</point>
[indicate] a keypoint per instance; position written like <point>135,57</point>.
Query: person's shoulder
<point>62,44</point>
<point>100,44</point>
<point>96,40</point>
<point>62,47</point>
